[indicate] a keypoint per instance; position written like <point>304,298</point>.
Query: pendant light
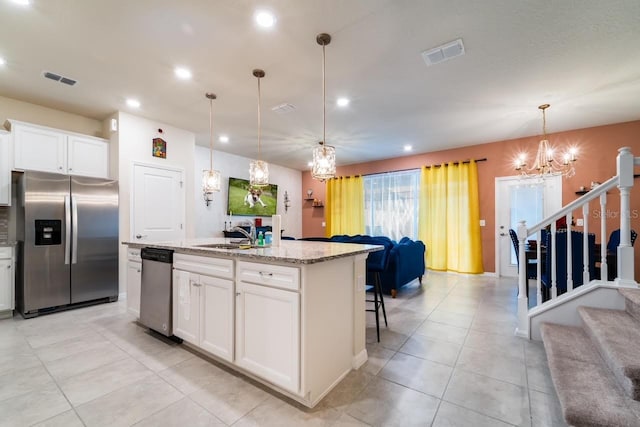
<point>210,178</point>
<point>324,156</point>
<point>258,169</point>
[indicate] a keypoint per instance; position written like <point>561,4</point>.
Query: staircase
<point>595,367</point>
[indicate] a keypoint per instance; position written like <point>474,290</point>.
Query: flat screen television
<point>244,200</point>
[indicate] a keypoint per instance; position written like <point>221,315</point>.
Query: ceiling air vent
<point>443,53</point>
<point>59,78</point>
<point>283,108</point>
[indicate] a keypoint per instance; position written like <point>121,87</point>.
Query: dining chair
<point>612,252</point>
<point>531,266</point>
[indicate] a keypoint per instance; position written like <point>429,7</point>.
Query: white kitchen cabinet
<point>134,281</point>
<point>7,282</point>
<point>203,306</point>
<point>52,150</point>
<point>5,169</point>
<point>268,324</point>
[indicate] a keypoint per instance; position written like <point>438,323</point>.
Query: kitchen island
<point>291,317</point>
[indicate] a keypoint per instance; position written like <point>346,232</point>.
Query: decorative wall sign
<point>159,148</point>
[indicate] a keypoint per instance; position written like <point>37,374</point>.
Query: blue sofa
<point>406,261</point>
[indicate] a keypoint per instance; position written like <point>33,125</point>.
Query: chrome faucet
<point>251,235</point>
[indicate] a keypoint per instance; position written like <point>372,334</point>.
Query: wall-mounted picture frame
<point>159,148</point>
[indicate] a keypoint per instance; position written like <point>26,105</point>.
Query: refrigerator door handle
<point>74,224</point>
<point>67,229</point>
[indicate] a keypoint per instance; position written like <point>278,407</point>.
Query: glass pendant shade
<point>210,181</point>
<point>258,173</point>
<point>324,162</point>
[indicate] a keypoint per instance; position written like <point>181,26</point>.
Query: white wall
<point>209,221</point>
<point>133,141</point>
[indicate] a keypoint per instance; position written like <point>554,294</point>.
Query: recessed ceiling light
<point>342,102</point>
<point>2,61</point>
<point>182,73</point>
<point>223,138</point>
<point>22,2</point>
<point>133,103</point>
<point>265,19</point>
<point>310,164</point>
<point>408,147</point>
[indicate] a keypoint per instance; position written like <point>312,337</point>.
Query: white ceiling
<point>581,56</point>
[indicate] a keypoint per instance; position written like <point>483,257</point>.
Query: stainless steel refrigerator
<point>67,232</point>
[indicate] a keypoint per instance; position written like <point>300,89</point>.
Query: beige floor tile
<point>17,359</point>
<point>490,363</point>
<point>30,408</point>
<point>450,318</point>
<point>389,339</point>
<point>347,420</point>
<point>230,399</point>
<point>163,359</point>
<point>59,333</point>
<point>546,410</point>
<point>403,321</point>
<point>418,374</point>
<point>347,390</point>
<point>378,356</point>
<point>65,419</point>
<point>183,413</point>
<point>75,345</point>
<point>450,415</point>
<point>92,384</point>
<point>23,381</point>
<point>434,350</point>
<point>493,398</point>
<point>499,344</point>
<point>384,403</point>
<point>193,374</point>
<point>442,332</point>
<point>130,404</point>
<point>100,355</point>
<point>274,412</point>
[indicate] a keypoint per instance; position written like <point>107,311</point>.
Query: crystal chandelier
<point>546,163</point>
<point>258,169</point>
<point>210,178</point>
<point>324,156</point>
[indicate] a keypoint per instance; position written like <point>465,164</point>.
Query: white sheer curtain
<point>391,203</point>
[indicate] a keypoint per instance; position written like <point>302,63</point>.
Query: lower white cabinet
<point>7,282</point>
<point>268,333</point>
<point>203,312</point>
<point>134,281</point>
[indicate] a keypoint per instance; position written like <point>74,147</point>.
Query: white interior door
<point>517,199</point>
<point>158,208</point>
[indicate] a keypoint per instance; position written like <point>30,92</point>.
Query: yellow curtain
<point>449,222</point>
<point>344,208</point>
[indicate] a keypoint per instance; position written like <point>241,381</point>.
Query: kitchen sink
<point>220,246</point>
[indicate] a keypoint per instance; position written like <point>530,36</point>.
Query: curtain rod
<point>484,159</point>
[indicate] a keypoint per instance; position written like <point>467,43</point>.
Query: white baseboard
<point>359,359</point>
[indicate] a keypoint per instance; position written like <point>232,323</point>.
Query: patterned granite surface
<point>289,251</point>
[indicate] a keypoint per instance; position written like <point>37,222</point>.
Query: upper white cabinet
<point>5,170</point>
<point>51,150</point>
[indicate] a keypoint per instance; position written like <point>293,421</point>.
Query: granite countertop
<point>289,251</point>
<point>7,244</point>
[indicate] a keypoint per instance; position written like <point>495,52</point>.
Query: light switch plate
<point>482,223</point>
<point>324,224</point>
<point>580,222</point>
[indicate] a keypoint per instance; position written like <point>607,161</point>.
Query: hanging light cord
<point>544,124</point>
<point>324,100</point>
<point>211,134</point>
<point>259,124</point>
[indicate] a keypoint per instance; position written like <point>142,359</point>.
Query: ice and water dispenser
<point>48,232</point>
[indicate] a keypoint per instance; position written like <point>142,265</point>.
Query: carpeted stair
<point>596,368</point>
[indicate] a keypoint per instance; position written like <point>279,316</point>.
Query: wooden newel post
<point>625,163</point>
<point>523,298</point>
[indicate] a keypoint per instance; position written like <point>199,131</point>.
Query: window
<point>391,203</point>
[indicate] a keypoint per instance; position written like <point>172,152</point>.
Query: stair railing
<point>625,256</point>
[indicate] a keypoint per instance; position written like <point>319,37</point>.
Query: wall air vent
<point>283,108</point>
<point>443,53</point>
<point>59,78</point>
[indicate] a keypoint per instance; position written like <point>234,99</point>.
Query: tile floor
<point>448,358</point>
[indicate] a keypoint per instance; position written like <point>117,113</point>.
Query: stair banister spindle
<point>604,267</point>
<point>585,244</point>
<point>538,269</point>
<point>554,268</point>
<point>523,299</point>
<point>568,219</point>
<point>625,260</point>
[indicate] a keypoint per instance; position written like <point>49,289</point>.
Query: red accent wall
<point>598,148</point>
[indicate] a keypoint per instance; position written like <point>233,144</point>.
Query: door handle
<point>74,224</point>
<point>67,229</point>
<point>140,236</point>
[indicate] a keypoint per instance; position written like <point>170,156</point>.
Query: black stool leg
<point>378,289</point>
<point>375,309</point>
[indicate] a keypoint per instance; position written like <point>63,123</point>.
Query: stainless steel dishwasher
<point>156,290</point>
